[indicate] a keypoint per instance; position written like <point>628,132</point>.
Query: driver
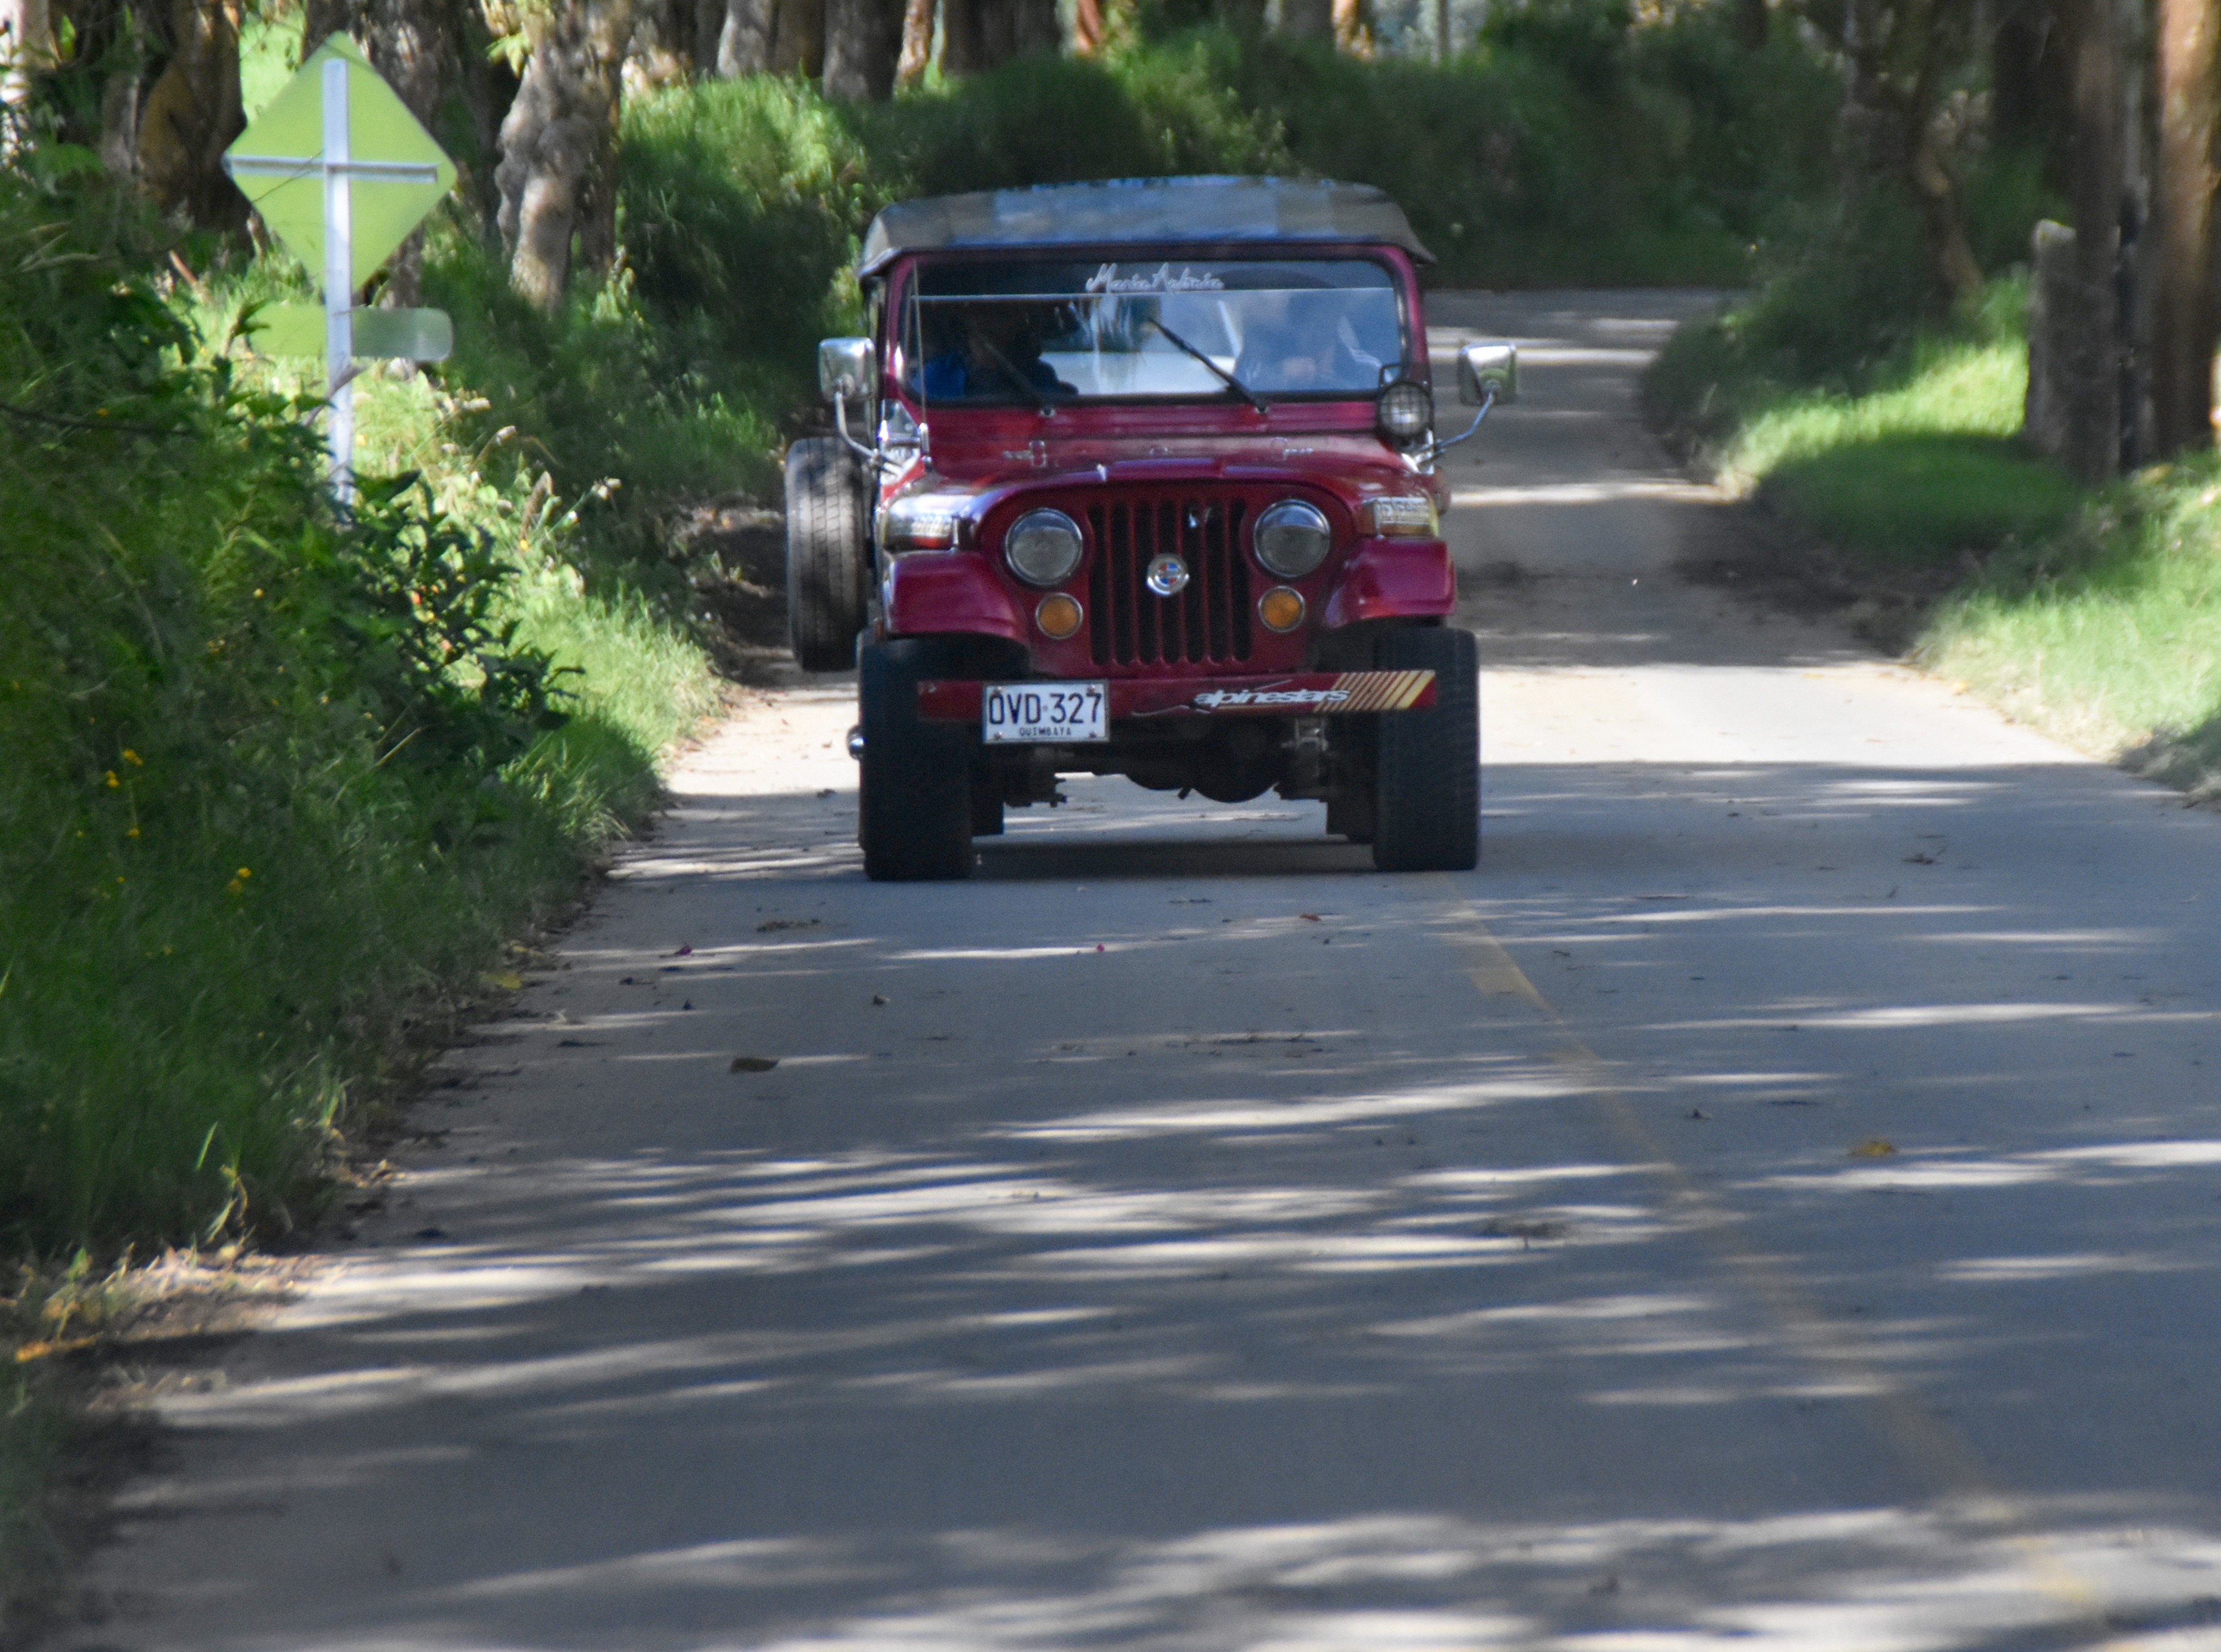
<point>1000,351</point>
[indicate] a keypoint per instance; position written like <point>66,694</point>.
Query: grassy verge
<point>2106,633</point>
<point>1911,467</point>
<point>2093,616</point>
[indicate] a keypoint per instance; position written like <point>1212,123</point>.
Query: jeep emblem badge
<point>1167,575</point>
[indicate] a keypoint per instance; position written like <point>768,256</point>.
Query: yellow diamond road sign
<point>395,173</point>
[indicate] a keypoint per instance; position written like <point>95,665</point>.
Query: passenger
<point>1293,342</point>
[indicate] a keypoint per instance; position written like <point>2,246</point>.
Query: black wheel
<point>828,554</point>
<point>987,804</point>
<point>1426,779</point>
<point>914,795</point>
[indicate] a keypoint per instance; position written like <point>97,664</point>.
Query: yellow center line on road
<point>1930,1449</point>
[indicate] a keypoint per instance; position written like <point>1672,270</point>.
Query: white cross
<point>339,168</point>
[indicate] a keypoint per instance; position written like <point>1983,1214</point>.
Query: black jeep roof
<point>1161,211</point>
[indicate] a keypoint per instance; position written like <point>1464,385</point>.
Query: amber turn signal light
<point>1059,616</point>
<point>1281,608</point>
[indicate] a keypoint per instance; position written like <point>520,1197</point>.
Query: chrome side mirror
<point>848,369</point>
<point>1483,368</point>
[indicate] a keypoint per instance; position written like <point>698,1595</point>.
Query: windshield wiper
<point>1224,378</point>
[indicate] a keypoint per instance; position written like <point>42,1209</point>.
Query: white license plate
<point>1053,713</point>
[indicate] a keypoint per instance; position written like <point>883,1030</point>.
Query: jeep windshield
<point>1048,334</point>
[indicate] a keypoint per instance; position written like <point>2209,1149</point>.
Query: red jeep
<point>1150,491</point>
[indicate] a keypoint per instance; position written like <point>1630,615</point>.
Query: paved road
<point>1772,1202</point>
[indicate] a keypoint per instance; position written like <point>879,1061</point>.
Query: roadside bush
<point>278,778</point>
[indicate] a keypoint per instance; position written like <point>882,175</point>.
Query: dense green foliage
<point>277,775</point>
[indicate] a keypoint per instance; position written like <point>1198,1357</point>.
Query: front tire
<point>1426,783</point>
<point>828,554</point>
<point>914,793</point>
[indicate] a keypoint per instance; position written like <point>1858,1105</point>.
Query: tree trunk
<point>798,42</point>
<point>1353,27</point>
<point>558,145</point>
<point>918,41</point>
<point>963,45</point>
<point>190,115</point>
<point>1951,261</point>
<point>2031,98</point>
<point>863,39</point>
<point>415,44</point>
<point>1035,27</point>
<point>744,42</point>
<point>2092,415</point>
<point>321,19</point>
<point>2182,269</point>
<point>1899,52</point>
<point>2054,321</point>
<point>661,50</point>
<point>978,34</point>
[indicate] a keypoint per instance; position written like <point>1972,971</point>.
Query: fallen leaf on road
<point>682,952</point>
<point>879,998</point>
<point>772,925</point>
<point>1699,1112</point>
<point>507,980</point>
<point>1916,858</point>
<point>752,1063</point>
<point>1309,917</point>
<point>1873,1147</point>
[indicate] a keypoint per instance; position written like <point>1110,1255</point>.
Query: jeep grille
<point>1130,624</point>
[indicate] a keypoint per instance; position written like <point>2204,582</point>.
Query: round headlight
<point>1406,411</point>
<point>1043,547</point>
<point>1292,538</point>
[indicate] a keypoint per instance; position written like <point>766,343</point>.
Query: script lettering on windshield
<point>1160,280</point>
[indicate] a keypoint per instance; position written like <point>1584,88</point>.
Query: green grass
<point>1914,473</point>
<point>1915,466</point>
<point>2093,616</point>
<point>2107,634</point>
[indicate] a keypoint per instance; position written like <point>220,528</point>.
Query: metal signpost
<point>341,172</point>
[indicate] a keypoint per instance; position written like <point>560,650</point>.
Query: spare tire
<point>829,554</point>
